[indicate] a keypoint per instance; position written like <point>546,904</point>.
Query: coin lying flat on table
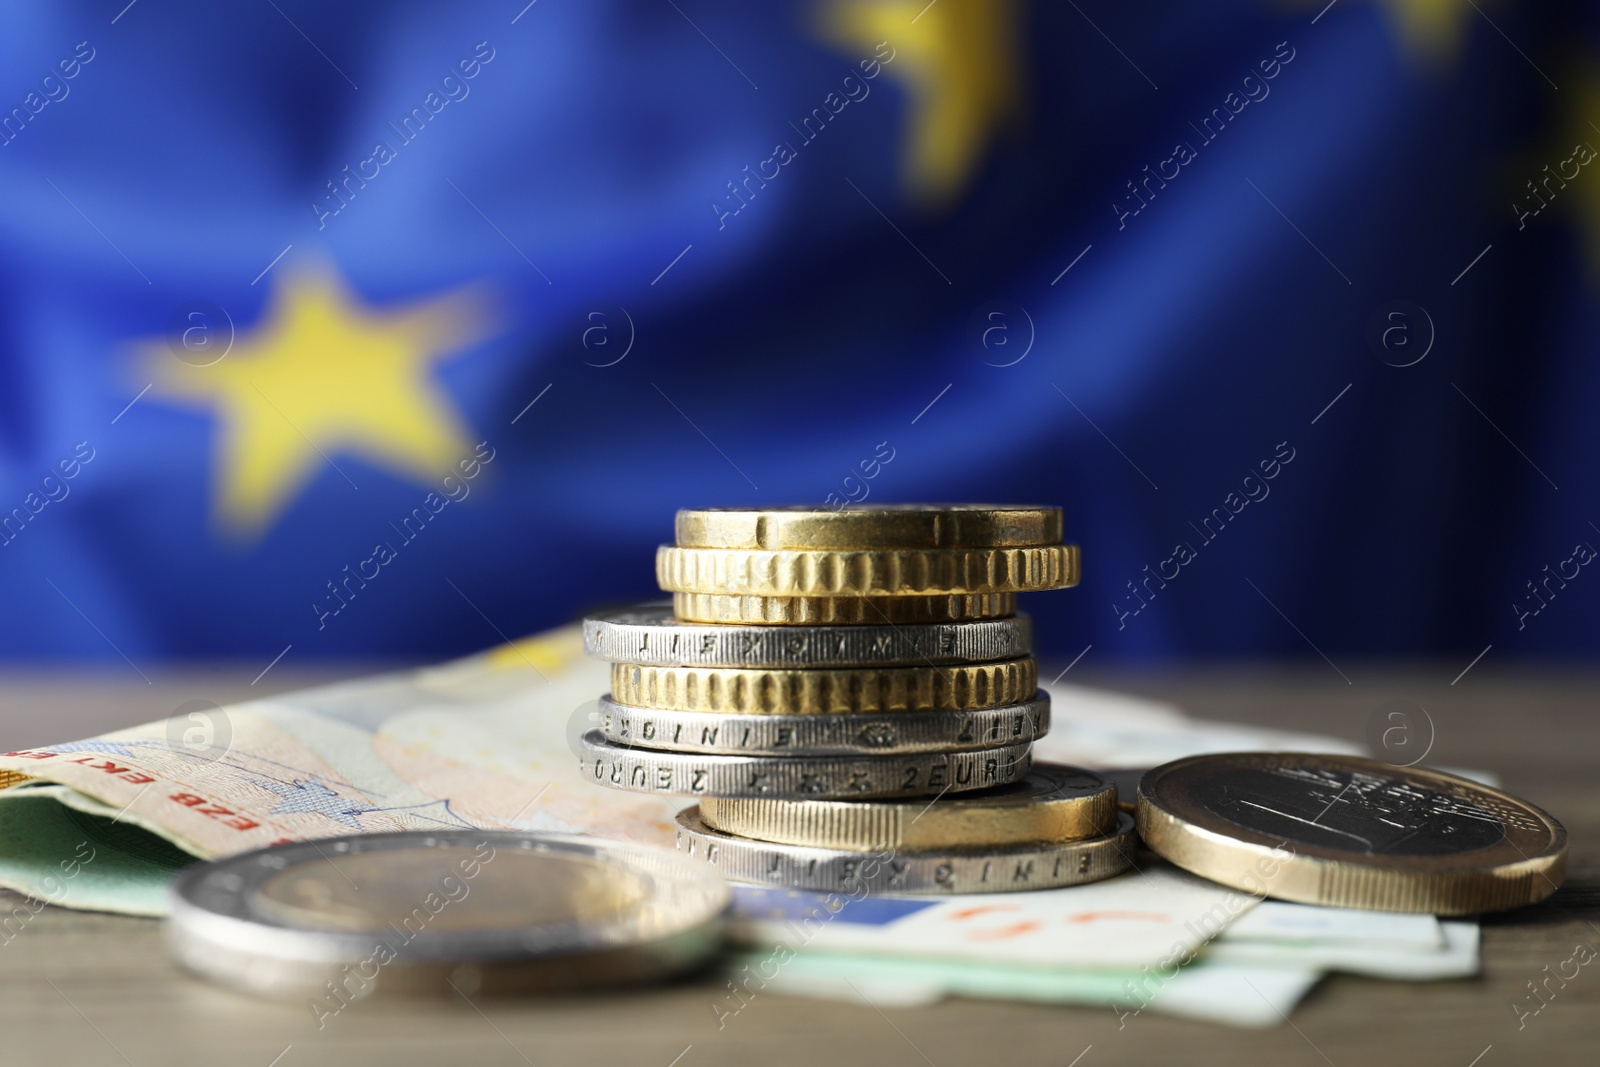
<point>934,872</point>
<point>825,691</point>
<point>1052,803</point>
<point>478,910</point>
<point>895,526</point>
<point>881,572</point>
<point>645,770</point>
<point>847,611</point>
<point>1351,833</point>
<point>822,735</point>
<point>651,635</point>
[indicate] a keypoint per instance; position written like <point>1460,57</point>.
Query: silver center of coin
<point>1353,811</point>
<point>373,892</point>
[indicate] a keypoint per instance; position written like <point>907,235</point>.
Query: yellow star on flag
<point>1582,201</point>
<point>959,61</point>
<point>1432,29</point>
<point>323,375</point>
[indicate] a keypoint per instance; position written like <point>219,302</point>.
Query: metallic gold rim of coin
<point>889,871</point>
<point>650,634</point>
<point>1523,866</point>
<point>880,572</point>
<point>826,690</point>
<point>1053,803</point>
<point>857,527</point>
<point>226,925</point>
<point>895,734</point>
<point>840,611</point>
<point>644,770</point>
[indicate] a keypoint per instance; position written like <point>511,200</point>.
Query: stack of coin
<point>852,692</point>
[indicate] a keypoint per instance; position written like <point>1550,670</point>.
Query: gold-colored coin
<point>1350,833</point>
<point>840,611</point>
<point>1053,803</point>
<point>881,572</point>
<point>894,526</point>
<point>760,691</point>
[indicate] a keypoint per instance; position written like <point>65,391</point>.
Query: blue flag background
<point>398,328</point>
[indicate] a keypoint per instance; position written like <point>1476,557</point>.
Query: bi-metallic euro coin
<point>645,770</point>
<point>1007,869</point>
<point>1350,833</point>
<point>1052,803</point>
<point>650,634</point>
<point>820,735</point>
<point>338,919</point>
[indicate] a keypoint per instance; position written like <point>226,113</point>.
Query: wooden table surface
<point>86,988</point>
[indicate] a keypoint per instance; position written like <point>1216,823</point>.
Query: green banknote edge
<point>61,847</point>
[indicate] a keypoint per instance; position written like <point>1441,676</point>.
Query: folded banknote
<point>480,743</point>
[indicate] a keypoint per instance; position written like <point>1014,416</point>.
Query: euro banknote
<point>488,742</point>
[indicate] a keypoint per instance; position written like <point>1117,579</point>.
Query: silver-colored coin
<point>825,735</point>
<point>340,918</point>
<point>1001,870</point>
<point>650,635</point>
<point>645,770</point>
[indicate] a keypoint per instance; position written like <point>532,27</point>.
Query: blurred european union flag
<point>401,328</point>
